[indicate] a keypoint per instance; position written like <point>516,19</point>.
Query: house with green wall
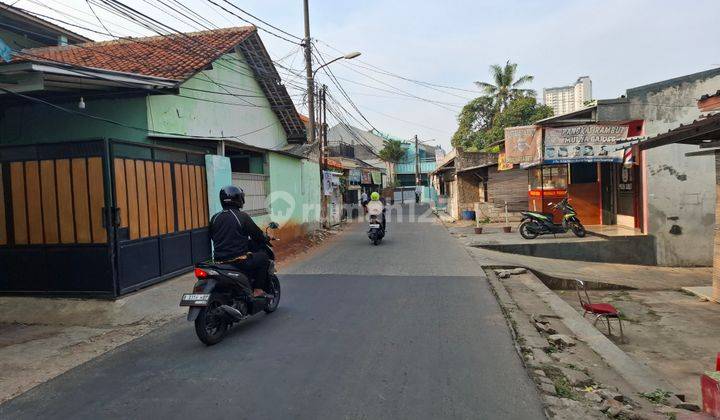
<point>20,29</point>
<point>119,148</point>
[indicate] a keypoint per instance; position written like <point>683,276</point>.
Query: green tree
<point>522,110</point>
<point>506,86</point>
<point>392,152</point>
<point>475,117</point>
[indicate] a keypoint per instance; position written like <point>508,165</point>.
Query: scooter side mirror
<point>273,225</point>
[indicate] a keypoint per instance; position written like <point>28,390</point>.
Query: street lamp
<point>311,125</point>
<point>348,56</point>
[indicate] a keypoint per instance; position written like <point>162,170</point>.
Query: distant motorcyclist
<point>376,208</point>
<point>233,233</point>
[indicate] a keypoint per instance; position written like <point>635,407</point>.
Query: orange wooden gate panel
<point>149,196</point>
<point>55,201</point>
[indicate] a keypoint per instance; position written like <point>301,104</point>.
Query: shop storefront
<point>580,162</point>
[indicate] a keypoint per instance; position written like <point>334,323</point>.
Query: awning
<point>472,168</point>
<point>704,132</point>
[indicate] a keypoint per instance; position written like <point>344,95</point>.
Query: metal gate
<point>404,195</point>
<point>160,213</point>
<point>53,236</point>
<point>100,217</point>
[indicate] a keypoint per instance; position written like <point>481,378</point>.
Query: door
<point>160,214</point>
<point>626,196</point>
<point>608,178</point>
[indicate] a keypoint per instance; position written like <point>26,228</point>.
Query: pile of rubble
<point>568,389</point>
<point>504,274</point>
<point>319,235</point>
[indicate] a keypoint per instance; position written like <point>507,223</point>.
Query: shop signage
<point>522,145</point>
<point>584,143</point>
<point>366,178</point>
<point>503,164</point>
<point>355,176</point>
<point>547,193</point>
<point>377,178</point>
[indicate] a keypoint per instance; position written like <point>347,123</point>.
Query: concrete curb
<point>639,376</point>
<point>508,307</point>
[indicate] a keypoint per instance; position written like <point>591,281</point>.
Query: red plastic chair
<point>599,310</point>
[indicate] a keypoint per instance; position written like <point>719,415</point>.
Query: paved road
<point>407,329</point>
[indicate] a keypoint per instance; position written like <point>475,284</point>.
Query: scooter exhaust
<point>237,315</point>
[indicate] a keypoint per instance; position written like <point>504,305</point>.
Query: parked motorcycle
<point>535,223</point>
<point>223,295</point>
<point>376,231</point>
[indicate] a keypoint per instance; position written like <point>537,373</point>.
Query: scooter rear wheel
<point>211,325</point>
<point>526,230</point>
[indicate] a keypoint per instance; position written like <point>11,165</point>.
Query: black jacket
<point>231,231</point>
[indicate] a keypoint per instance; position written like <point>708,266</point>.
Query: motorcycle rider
<point>376,208</point>
<point>233,233</point>
<point>364,200</point>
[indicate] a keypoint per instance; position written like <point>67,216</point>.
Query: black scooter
<point>534,223</point>
<point>223,295</point>
<point>376,231</point>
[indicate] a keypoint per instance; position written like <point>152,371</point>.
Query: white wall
<point>680,189</point>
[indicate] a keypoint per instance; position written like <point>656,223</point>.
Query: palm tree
<point>506,87</point>
<point>392,153</point>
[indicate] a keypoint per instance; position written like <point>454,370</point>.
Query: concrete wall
<point>464,160</point>
<point>294,194</point>
<point>218,174</point>
<point>680,189</point>
<point>619,250</point>
<point>38,123</point>
<point>247,115</point>
<point>310,191</point>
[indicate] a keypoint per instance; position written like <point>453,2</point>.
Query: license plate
<point>195,299</point>
<point>374,226</point>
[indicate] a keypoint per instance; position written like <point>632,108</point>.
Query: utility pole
<point>417,161</point>
<point>309,72</point>
<point>307,44</point>
<point>324,125</point>
<point>322,144</point>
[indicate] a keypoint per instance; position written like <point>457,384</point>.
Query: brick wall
<point>495,213</point>
<point>468,187</point>
<point>465,160</point>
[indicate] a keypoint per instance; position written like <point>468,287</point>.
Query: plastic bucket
<point>468,215</point>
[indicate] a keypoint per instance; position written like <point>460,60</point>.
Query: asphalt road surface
<point>408,329</point>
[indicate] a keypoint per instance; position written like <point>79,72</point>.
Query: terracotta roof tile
<point>175,57</point>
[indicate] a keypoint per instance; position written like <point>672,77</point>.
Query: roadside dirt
<point>673,333</point>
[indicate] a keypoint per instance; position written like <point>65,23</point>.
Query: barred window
<point>254,186</point>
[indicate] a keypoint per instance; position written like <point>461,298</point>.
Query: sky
<point>620,44</point>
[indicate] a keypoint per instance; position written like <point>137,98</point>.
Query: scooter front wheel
<point>526,230</point>
<point>578,229</point>
<point>275,286</point>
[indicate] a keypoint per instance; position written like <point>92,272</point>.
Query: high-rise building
<point>570,98</point>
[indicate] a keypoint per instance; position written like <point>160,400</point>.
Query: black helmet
<point>232,196</point>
